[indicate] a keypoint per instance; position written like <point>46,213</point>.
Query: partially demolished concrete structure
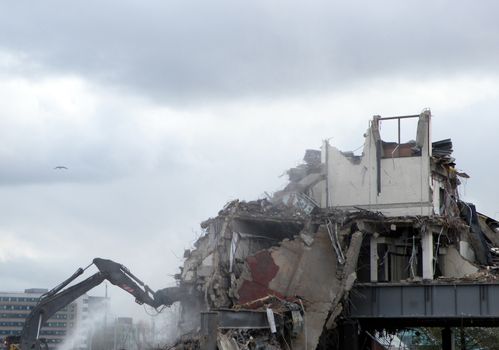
<point>276,273</point>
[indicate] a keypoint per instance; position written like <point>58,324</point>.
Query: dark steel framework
<point>377,305</point>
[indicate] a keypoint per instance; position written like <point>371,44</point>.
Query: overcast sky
<point>162,111</point>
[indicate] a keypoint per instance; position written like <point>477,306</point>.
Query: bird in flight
<point>60,167</point>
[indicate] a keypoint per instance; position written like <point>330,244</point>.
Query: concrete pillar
<point>427,247</point>
<point>447,339</point>
<point>373,262</point>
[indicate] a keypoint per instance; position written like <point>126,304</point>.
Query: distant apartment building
<point>120,333</point>
<point>125,334</point>
<point>69,324</point>
<point>93,317</point>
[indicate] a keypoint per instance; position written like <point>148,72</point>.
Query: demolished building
<point>278,272</point>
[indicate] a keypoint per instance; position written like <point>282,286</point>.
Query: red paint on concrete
<point>263,269</point>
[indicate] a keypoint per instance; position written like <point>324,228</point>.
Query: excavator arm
<point>58,298</point>
<point>49,305</point>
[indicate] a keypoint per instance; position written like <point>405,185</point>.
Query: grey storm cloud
<point>199,50</point>
<point>31,154</point>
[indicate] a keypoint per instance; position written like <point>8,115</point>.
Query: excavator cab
<point>11,342</point>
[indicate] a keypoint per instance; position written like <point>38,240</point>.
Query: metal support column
<point>349,335</point>
<point>447,339</point>
<point>209,330</point>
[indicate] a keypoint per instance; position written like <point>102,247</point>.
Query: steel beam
<point>243,319</point>
<point>426,304</point>
<point>212,321</point>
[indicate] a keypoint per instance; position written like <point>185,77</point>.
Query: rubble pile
<point>247,339</point>
<point>185,342</point>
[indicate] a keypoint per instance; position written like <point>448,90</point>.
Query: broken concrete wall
<point>454,265</point>
<point>307,268</point>
<point>297,268</point>
<point>381,180</point>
